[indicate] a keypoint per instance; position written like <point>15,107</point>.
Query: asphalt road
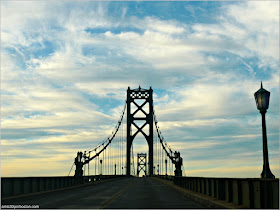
<point>124,193</point>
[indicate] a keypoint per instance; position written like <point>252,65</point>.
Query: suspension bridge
<point>114,155</point>
<point>108,174</point>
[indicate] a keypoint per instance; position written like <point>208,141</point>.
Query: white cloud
<point>262,24</point>
<point>166,27</point>
<point>62,89</point>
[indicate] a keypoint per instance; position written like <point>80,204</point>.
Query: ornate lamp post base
<point>266,173</point>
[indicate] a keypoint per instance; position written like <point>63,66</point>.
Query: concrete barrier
<point>13,186</point>
<point>250,193</point>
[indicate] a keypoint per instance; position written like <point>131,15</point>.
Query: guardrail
<point>250,193</point>
<point>13,186</point>
<point>167,177</point>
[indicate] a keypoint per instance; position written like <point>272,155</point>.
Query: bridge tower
<point>79,165</point>
<point>141,163</point>
<point>132,97</point>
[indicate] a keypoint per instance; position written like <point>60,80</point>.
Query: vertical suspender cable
<point>109,158</point>
<point>98,165</point>
<point>157,163</point>
<point>117,154</point>
<point>162,155</point>
<point>154,142</point>
<point>95,163</point>
<point>120,166</point>
<point>160,159</point>
<point>170,171</point>
<point>121,149</point>
<point>157,157</point>
<point>119,157</point>
<point>105,161</point>
<point>88,162</point>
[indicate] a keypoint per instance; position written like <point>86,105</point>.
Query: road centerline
<point>115,196</point>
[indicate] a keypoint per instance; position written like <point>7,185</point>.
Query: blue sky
<point>66,66</point>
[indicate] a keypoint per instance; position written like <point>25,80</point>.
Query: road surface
<point>123,193</point>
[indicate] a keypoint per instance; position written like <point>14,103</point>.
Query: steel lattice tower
<point>132,96</point>
<point>141,163</point>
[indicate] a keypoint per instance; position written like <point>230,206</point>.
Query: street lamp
<point>262,101</point>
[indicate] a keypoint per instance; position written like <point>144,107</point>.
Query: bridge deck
<point>127,193</point>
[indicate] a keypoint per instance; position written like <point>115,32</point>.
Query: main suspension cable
<point>106,142</point>
<point>168,150</point>
<point>71,168</point>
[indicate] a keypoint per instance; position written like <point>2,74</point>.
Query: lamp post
<point>262,101</point>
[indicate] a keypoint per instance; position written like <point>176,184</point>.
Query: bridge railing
<point>251,192</point>
<point>166,177</point>
<point>14,186</point>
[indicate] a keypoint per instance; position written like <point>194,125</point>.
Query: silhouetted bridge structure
<point>113,181</point>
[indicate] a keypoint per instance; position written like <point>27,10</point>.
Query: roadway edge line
<point>210,202</point>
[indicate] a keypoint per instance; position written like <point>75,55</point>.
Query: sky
<point>66,66</point>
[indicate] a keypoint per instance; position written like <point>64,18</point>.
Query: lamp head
<point>262,99</point>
